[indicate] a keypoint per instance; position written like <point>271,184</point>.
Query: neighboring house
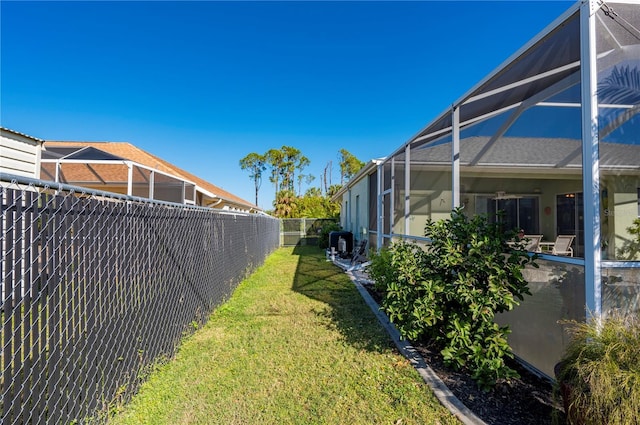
<point>19,153</point>
<point>121,167</point>
<point>552,139</point>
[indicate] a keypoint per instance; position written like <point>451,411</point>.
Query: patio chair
<point>532,243</point>
<point>529,243</point>
<point>562,245</point>
<point>359,252</point>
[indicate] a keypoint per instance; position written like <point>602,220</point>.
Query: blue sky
<point>202,84</point>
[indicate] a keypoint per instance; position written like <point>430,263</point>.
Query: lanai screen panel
<point>168,189</point>
<point>618,45</point>
<point>543,65</point>
<point>549,61</point>
<point>621,290</point>
<point>373,210</point>
<point>189,193</point>
<point>388,208</point>
<point>523,168</point>
<point>539,324</point>
<point>386,175</point>
<point>430,183</point>
<point>399,193</point>
<point>373,201</point>
<point>141,182</point>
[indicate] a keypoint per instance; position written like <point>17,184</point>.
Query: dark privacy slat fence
<point>96,286</point>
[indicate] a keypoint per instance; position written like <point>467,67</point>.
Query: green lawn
<point>294,345</point>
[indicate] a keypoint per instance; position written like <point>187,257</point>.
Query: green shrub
<point>451,291</point>
<point>600,372</point>
<point>323,234</point>
<point>380,270</point>
<point>398,272</point>
<point>630,248</point>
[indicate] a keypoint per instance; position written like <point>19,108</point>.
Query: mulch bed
<point>526,400</point>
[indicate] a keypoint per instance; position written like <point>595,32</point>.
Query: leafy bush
<point>630,248</point>
<point>451,290</point>
<point>400,273</point>
<point>600,372</point>
<point>323,234</point>
<point>379,268</point>
<point>314,205</point>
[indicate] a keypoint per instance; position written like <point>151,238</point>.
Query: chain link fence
<point>302,231</point>
<point>97,287</point>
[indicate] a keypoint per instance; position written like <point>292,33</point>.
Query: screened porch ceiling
<point>543,69</point>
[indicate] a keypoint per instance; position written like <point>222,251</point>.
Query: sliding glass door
<point>518,212</point>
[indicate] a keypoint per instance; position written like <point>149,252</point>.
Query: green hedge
<point>450,291</point>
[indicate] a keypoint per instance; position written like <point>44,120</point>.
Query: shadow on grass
<point>345,309</point>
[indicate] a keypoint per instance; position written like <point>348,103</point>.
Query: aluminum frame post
<point>129,178</point>
<point>455,157</point>
<point>407,191</point>
<point>379,206</point>
<point>590,158</point>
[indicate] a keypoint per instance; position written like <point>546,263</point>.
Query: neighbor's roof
<point>132,153</point>
<point>17,133</point>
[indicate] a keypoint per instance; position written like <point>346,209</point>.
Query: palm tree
<point>275,159</point>
<point>349,165</point>
<point>285,204</point>
<point>255,163</point>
